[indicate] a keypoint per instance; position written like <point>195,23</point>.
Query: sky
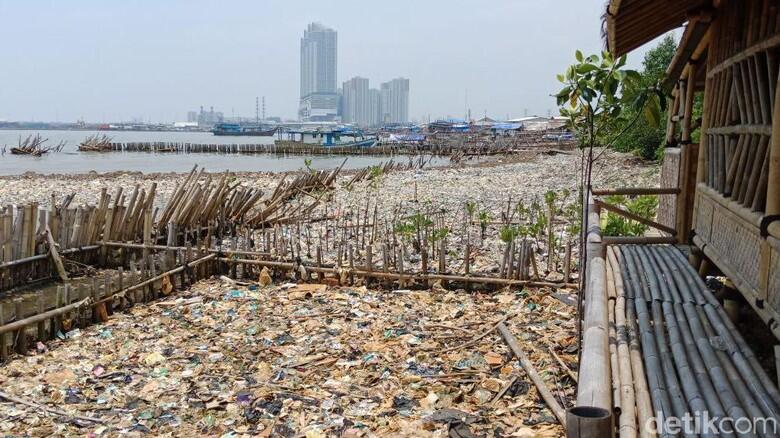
<point>103,61</point>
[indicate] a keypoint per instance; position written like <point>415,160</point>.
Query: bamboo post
<point>56,323</point>
<point>83,294</point>
<point>442,256</point>
<point>21,339</point>
<point>424,262</point>
<point>171,240</point>
<point>467,263</point>
<point>567,262</point>
<point>351,264</point>
<point>773,181</point>
<point>3,337</point>
<point>63,274</point>
<point>385,263</point>
<point>401,282</point>
<point>41,324</point>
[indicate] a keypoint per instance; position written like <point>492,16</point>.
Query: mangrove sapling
<point>484,221</point>
<point>507,234</point>
<point>437,235</point>
<point>471,208</point>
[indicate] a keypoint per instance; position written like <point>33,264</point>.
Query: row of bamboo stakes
<point>437,144</point>
<point>60,308</point>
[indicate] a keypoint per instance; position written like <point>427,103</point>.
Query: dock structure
<point>656,343</point>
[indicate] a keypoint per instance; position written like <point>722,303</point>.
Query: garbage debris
<point>224,359</point>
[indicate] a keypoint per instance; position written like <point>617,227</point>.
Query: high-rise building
<point>374,107</point>
<point>319,98</point>
<point>356,102</point>
<point>394,98</point>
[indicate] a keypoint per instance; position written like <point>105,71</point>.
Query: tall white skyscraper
<point>359,103</point>
<point>319,51</point>
<point>394,101</point>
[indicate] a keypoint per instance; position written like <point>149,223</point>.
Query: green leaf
<point>578,56</point>
<point>586,68</point>
<point>652,112</point>
<point>561,78</point>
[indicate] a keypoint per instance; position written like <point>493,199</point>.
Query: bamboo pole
<point>529,368</point>
<point>63,274</point>
<point>630,191</point>
<point>20,324</point>
<point>406,276</point>
<point>634,217</point>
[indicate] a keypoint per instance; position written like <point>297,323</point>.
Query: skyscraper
<point>374,107</point>
<point>394,98</point>
<point>319,97</point>
<point>356,102</point>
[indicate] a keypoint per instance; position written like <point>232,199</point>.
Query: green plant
<point>375,174</point>
<point>439,234</point>
<point>508,233</point>
<point>471,208</point>
<point>644,206</point>
<point>484,221</point>
<point>307,162</point>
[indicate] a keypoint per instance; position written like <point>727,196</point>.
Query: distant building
<point>394,101</point>
<point>319,99</point>
<point>374,107</point>
<point>207,119</point>
<point>192,116</point>
<point>356,103</point>
<point>537,123</point>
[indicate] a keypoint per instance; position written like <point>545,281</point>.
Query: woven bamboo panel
<point>703,220</point>
<point>738,244</point>
<point>670,176</point>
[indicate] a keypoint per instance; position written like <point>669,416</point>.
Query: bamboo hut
<point>654,338</point>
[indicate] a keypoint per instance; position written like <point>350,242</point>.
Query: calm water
<point>72,161</point>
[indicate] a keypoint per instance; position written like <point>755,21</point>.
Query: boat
<point>235,129</point>
<point>338,137</point>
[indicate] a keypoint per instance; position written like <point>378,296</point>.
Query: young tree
<point>596,91</point>
<point>646,139</point>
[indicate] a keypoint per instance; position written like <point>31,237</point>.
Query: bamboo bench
<point>673,349</point>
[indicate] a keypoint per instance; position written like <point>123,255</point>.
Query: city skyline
<point>501,60</point>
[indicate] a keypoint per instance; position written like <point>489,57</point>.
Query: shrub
<point>644,206</point>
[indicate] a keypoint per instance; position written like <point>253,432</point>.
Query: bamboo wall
<point>670,176</point>
<point>734,194</point>
<point>23,231</point>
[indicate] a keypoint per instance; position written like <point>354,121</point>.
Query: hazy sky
<point>157,59</point>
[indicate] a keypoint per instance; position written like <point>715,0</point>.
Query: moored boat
<point>235,129</point>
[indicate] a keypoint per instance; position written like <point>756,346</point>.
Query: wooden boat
<point>234,129</point>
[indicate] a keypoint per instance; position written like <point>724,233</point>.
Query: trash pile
<point>230,359</point>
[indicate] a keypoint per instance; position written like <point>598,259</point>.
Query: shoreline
<point>482,162</point>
